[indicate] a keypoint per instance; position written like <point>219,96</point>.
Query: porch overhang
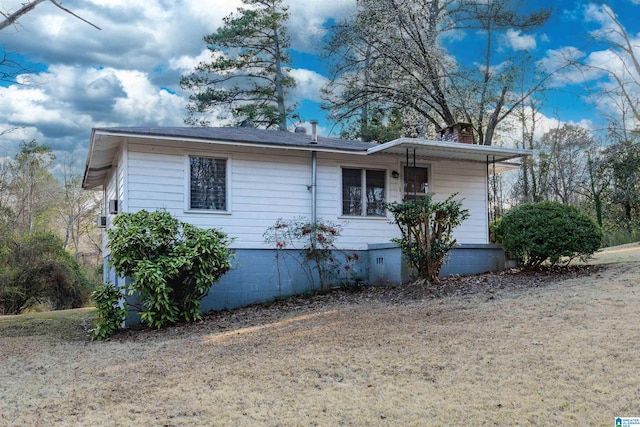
<point>501,158</point>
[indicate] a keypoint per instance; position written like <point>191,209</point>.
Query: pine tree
<point>248,74</point>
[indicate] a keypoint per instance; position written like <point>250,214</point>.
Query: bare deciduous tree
<point>624,71</point>
<point>31,184</point>
<point>77,209</point>
<point>391,53</point>
<point>564,155</point>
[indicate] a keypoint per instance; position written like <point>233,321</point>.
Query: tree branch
<point>74,15</point>
<point>10,19</point>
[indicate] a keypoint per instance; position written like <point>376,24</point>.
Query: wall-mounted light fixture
<point>395,174</point>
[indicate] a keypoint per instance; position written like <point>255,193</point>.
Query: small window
<point>363,192</point>
<point>208,183</point>
<point>416,182</point>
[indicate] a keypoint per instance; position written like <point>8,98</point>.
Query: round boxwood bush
<point>547,231</point>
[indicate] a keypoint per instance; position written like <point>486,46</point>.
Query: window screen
<point>208,183</point>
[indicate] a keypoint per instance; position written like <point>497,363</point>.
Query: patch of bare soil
<point>557,347</point>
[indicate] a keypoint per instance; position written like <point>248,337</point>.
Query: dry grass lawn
<point>564,352</point>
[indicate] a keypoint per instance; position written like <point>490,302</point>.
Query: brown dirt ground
<point>558,347</point>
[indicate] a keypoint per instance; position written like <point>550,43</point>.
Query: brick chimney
<point>459,132</point>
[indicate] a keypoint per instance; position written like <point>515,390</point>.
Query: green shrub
<point>620,237</point>
<point>110,312</point>
<point>35,270</point>
<point>493,225</point>
<point>172,264</point>
<point>547,231</point>
<point>427,232</point>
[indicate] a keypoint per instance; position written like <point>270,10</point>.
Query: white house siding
<point>358,232</point>
<point>115,189</point>
<point>264,185</point>
<point>469,180</point>
<point>267,184</point>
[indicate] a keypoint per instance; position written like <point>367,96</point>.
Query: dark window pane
<point>416,180</point>
<point>208,183</point>
<point>375,193</point>
<point>351,191</point>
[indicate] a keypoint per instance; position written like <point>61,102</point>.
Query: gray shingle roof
<point>243,135</point>
<point>105,142</point>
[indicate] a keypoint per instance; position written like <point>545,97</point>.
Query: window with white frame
<point>207,183</point>
<point>363,192</point>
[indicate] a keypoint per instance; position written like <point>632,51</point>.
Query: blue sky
<point>127,74</point>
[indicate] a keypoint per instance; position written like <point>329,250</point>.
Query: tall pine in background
<point>248,74</point>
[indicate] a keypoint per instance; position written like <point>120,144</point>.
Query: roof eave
<point>86,180</point>
<point>489,153</point>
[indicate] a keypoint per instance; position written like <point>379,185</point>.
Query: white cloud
<point>60,106</point>
<point>562,63</point>
<point>308,18</point>
<point>610,25</point>
<point>595,13</point>
<point>494,69</point>
<point>614,66</point>
<point>308,83</point>
<point>517,41</point>
<point>145,104</point>
<point>135,34</point>
<point>186,63</point>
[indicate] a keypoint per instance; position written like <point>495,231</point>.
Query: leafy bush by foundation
<point>547,231</point>
<point>427,232</point>
<point>110,312</point>
<point>172,264</point>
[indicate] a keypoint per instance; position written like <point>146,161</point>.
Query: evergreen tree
<point>381,126</point>
<point>248,75</point>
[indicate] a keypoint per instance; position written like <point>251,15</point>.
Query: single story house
<point>242,180</point>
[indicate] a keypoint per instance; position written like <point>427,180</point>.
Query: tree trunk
<point>282,110</point>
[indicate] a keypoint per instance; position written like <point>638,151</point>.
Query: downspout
<point>314,172</point>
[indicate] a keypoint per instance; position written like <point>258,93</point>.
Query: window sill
<point>206,212</point>
<point>360,217</point>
